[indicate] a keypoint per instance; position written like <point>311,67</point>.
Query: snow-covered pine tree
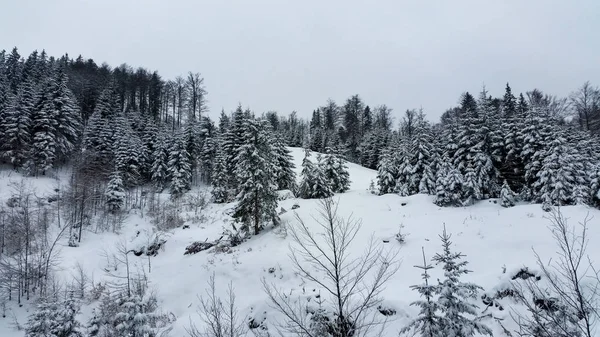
<point>313,184</point>
<point>507,196</point>
<point>449,185</point>
<point>306,176</point>
<point>232,140</point>
<point>136,316</point>
<point>160,159</point>
<point>43,141</point>
<point>127,155</point>
<point>421,148</point>
<point>149,139</point>
<point>208,150</point>
<point>557,177</point>
<point>387,171</point>
<point>68,325</point>
<point>220,186</point>
<point>427,183</point>
<point>428,324</point>
<point>336,172</point>
<point>255,171</point>
<point>405,170</point>
<point>454,296</point>
<point>471,187</point>
<point>67,115</point>
<point>17,129</point>
<point>284,165</point>
<point>321,186</point>
<point>115,192</point>
<point>180,169</point>
<point>43,321</point>
<point>535,137</point>
<point>54,319</point>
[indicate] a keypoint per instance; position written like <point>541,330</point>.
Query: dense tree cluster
<point>514,149</point>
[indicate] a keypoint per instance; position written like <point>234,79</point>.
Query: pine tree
<point>43,145</point>
<point>387,171</point>
<point>115,192</point>
<point>255,169</point>
<point>336,172</point>
<point>43,321</point>
<point>232,141</point>
<point>208,148</point>
<point>136,317</point>
<point>66,113</point>
<point>428,324</point>
<point>127,155</point>
<point>17,130</point>
<point>313,184</point>
<point>54,319</point>
<point>160,159</point>
<point>284,165</point>
<point>421,149</point>
<point>321,186</point>
<point>68,325</point>
<point>306,176</point>
<point>535,137</point>
<point>180,169</point>
<point>507,196</point>
<point>557,177</point>
<point>454,296</point>
<point>220,187</point>
<point>405,171</point>
<point>449,185</point>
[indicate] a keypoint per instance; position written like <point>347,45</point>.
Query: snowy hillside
<point>497,242</point>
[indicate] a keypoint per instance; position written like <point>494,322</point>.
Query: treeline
<point>522,149</point>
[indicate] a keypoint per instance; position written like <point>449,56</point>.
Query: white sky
<point>294,54</point>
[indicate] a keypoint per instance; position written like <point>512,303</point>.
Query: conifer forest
<point>125,172</point>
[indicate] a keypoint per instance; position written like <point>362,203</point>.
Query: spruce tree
<point>55,319</point>
<point>17,130</point>
<point>449,185</point>
<point>313,184</point>
<point>454,296</point>
<point>428,324</point>
<point>43,145</point>
<point>507,196</point>
<point>115,192</point>
<point>127,155</point>
<point>535,137</point>
<point>557,177</point>
<point>136,316</point>
<point>321,185</point>
<point>421,153</point>
<point>180,168</point>
<point>284,165</point>
<point>160,159</point>
<point>336,172</point>
<point>232,141</point>
<point>387,171</point>
<point>255,170</point>
<point>220,187</point>
<point>66,113</point>
<point>306,176</point>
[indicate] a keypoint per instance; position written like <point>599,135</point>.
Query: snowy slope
<point>490,236</point>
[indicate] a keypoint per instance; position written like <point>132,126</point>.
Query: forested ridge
<point>125,136</point>
<point>533,147</point>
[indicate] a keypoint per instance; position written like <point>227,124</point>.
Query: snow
<point>493,239</point>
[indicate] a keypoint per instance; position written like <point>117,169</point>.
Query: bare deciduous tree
<point>352,285</point>
<point>565,302</point>
<point>219,318</point>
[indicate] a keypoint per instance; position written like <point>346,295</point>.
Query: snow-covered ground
<point>492,238</point>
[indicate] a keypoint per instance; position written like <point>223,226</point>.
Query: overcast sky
<point>289,55</point>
